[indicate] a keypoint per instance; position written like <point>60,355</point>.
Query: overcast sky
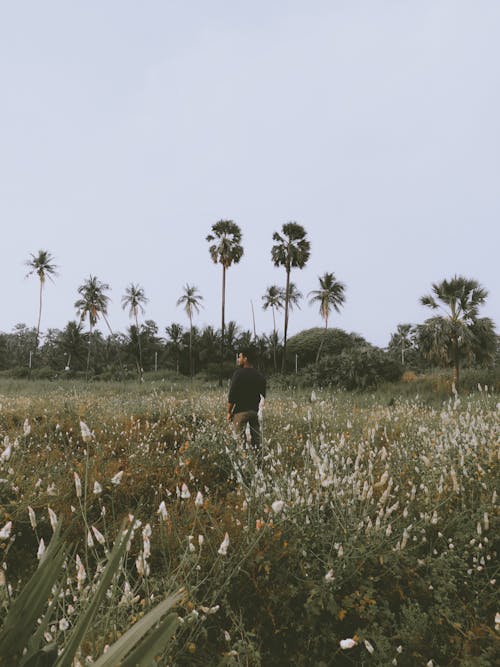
<point>127,129</point>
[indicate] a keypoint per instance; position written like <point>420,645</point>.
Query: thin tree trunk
<point>88,353</point>
<point>39,316</point>
<point>222,326</point>
<point>141,370</point>
<point>320,348</point>
<point>191,346</point>
<point>456,364</point>
<point>285,330</point>
<point>274,341</point>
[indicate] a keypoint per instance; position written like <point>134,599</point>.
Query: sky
<point>128,129</point>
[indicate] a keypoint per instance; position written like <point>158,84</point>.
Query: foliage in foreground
<point>369,523</point>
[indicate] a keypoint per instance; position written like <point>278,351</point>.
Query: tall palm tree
<point>93,303</point>
<point>331,294</point>
<point>458,332</point>
<point>191,300</point>
<point>44,267</point>
<point>135,299</point>
<point>292,250</point>
<point>274,298</point>
<point>225,249</point>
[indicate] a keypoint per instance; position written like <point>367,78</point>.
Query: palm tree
<point>226,249</point>
<point>331,294</point>
<point>44,267</point>
<point>292,250</point>
<point>458,333</point>
<point>191,300</point>
<point>175,333</point>
<point>135,299</point>
<point>93,303</point>
<point>274,298</point>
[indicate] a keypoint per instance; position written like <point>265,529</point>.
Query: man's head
<point>245,357</point>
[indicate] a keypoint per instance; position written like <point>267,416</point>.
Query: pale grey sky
<point>127,129</point>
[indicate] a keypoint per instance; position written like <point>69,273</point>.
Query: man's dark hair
<point>249,353</point>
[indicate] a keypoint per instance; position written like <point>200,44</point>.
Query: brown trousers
<point>240,421</point>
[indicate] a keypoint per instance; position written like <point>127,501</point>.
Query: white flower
<point>199,499</point>
<point>329,576</point>
<point>78,485</point>
<point>98,535</point>
<point>278,506</point>
<point>26,427</point>
<point>162,511</point>
<point>185,492</point>
<point>32,516</point>
<point>86,432</point>
<point>210,610</point>
<point>201,539</point>
<point>81,575</point>
<point>224,545</point>
<point>97,488</point>
<point>497,622</point>
<point>51,489</point>
<point>347,643</point>
<point>190,543</point>
<point>90,541</point>
<point>41,549</point>
<point>117,478</point>
<point>63,624</point>
<point>313,396</point>
<point>5,456</point>
<point>6,530</point>
<point>53,518</point>
<point>369,647</point>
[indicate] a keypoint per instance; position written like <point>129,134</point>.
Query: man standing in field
<point>246,395</point>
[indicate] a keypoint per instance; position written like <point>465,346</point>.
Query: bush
<point>358,368</point>
<point>306,343</point>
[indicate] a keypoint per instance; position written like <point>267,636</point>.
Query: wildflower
<point>277,506</point>
<point>116,479</point>
<point>227,636</point>
<point>41,549</point>
<point>85,432</point>
<point>185,492</point>
<point>32,516</point>
<point>63,624</point>
<point>368,646</point>
<point>26,427</point>
<point>313,396</point>
<point>497,622</point>
<point>329,576</point>
<point>51,489</point>
<point>53,518</point>
<point>201,539</point>
<point>98,535</point>
<point>162,511</point>
<point>78,485</point>
<point>6,530</point>
<point>347,643</point>
<point>5,456</point>
<point>81,575</point>
<point>210,610</point>
<point>224,545</point>
<point>90,540</point>
<point>97,488</point>
<point>190,543</point>
<point>199,499</point>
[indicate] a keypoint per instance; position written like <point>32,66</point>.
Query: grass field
<point>371,520</point>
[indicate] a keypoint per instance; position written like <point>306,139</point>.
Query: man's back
<point>247,386</point>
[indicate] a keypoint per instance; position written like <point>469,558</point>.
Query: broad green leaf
<point>28,606</point>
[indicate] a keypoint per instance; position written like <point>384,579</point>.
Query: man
<point>246,395</point>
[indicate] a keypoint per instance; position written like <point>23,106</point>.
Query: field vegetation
<point>369,536</point>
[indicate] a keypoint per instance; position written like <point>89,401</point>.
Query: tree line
<point>453,337</point>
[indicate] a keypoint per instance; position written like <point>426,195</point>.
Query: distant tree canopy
<point>306,343</point>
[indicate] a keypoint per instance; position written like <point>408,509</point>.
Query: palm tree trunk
<point>274,340</point>
<point>39,316</point>
<point>285,328</point>
<point>191,346</point>
<point>222,326</point>
<point>456,364</point>
<point>88,353</point>
<point>320,348</point>
<point>141,370</point>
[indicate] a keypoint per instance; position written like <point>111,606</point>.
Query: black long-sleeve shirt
<point>247,386</point>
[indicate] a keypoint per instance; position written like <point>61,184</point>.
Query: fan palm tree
<point>135,299</point>
<point>457,333</point>
<point>44,267</point>
<point>191,300</point>
<point>93,303</point>
<point>274,298</point>
<point>225,249</point>
<point>331,294</point>
<point>292,250</point>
